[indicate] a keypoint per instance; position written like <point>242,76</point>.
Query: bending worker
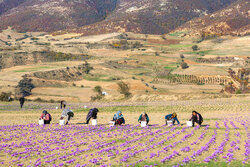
<point>172,117</point>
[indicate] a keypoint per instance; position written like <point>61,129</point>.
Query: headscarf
<point>45,112</point>
<point>117,115</point>
<point>174,115</point>
<point>91,113</point>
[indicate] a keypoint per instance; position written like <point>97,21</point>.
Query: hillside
<point>104,16</point>
<point>233,20</point>
<point>150,64</point>
<point>6,5</point>
<point>53,15</point>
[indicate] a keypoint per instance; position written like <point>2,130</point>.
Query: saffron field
<point>222,140</point>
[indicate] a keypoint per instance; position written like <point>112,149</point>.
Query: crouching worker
<point>46,117</point>
<point>92,114</point>
<point>196,117</point>
<point>67,113</point>
<point>118,118</point>
<point>172,117</point>
<point>143,117</point>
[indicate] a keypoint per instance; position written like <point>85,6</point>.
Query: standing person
<point>143,117</point>
<point>172,117</point>
<point>196,117</point>
<point>92,114</point>
<point>46,117</point>
<point>63,104</point>
<point>22,100</point>
<point>118,118</point>
<point>67,113</point>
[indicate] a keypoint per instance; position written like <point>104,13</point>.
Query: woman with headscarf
<point>143,117</point>
<point>196,117</point>
<point>118,118</point>
<point>172,117</point>
<point>46,117</point>
<point>67,113</point>
<point>92,114</point>
<point>63,104</point>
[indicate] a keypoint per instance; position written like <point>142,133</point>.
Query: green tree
<point>124,89</point>
<point>184,65</point>
<point>195,47</point>
<point>98,89</point>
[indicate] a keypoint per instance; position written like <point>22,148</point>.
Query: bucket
<point>189,123</point>
<point>94,122</point>
<point>170,123</point>
<point>143,123</point>
<point>56,108</point>
<point>112,123</point>
<point>61,122</point>
<point>41,122</point>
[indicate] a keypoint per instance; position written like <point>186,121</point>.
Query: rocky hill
<point>233,20</point>
<point>153,16</point>
<point>53,15</point>
<point>104,16</point>
<point>6,5</point>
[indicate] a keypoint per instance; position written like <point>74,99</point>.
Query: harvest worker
<point>196,117</point>
<point>22,100</point>
<point>143,117</point>
<point>118,118</point>
<point>92,114</point>
<point>67,113</point>
<point>46,117</point>
<point>63,104</point>
<point>172,117</point>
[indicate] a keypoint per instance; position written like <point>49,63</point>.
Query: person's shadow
<point>81,124</point>
<point>90,124</point>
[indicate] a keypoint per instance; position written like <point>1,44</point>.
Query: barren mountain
<point>153,16</point>
<point>6,5</point>
<point>102,16</point>
<point>233,20</point>
<point>53,15</point>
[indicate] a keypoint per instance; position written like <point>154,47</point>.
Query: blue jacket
<point>170,116</point>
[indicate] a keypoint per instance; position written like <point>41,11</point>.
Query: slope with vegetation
<point>233,20</point>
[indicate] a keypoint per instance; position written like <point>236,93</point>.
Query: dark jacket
<point>22,100</point>
<point>197,117</point>
<point>147,118</point>
<point>92,113</point>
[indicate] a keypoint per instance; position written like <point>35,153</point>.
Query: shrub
<point>5,96</point>
<point>98,89</point>
<point>238,91</point>
<point>124,88</point>
<point>99,96</point>
<point>52,101</point>
<point>38,100</point>
<point>182,56</point>
<point>73,84</point>
<point>184,65</point>
<point>195,47</point>
<point>94,98</point>
<point>200,83</point>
